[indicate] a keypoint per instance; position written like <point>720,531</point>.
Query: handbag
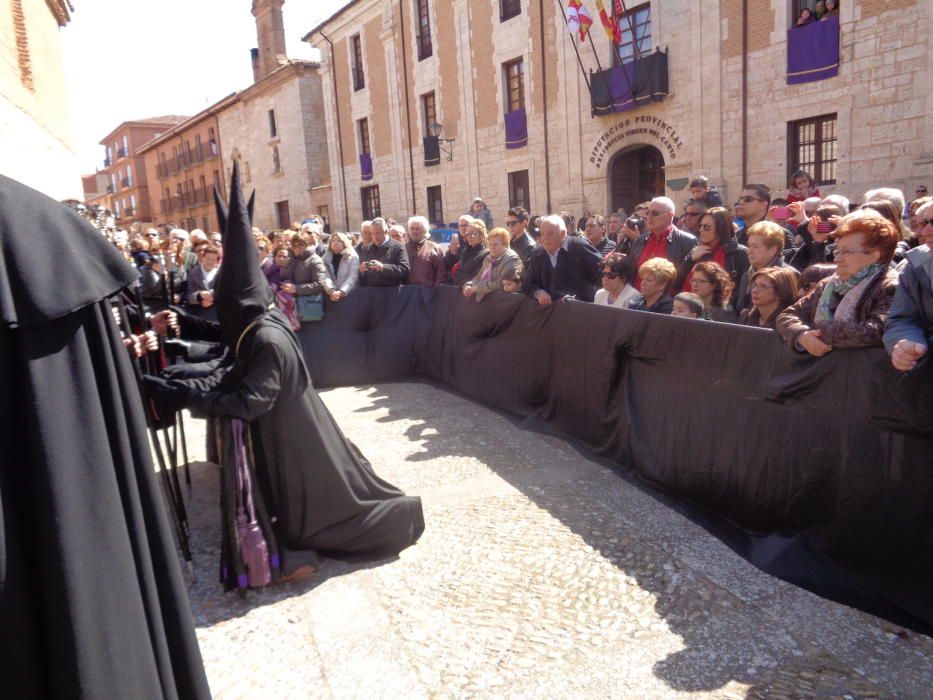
<point>310,308</point>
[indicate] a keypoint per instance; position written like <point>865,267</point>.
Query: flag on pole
<point>612,29</point>
<point>578,19</point>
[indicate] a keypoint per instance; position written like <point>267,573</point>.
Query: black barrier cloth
<point>794,456</point>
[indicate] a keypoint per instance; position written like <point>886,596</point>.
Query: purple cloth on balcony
<point>630,85</point>
<point>516,129</point>
<point>813,51</point>
<point>366,166</point>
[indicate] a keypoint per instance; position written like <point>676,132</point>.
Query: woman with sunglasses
<point>471,258</point>
<point>617,274</point>
<point>717,244</point>
<point>848,309</point>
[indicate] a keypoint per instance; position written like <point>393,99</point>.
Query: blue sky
<point>124,61</point>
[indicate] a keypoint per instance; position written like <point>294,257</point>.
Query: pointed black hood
<point>241,292</point>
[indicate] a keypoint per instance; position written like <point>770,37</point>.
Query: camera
<point>635,222</point>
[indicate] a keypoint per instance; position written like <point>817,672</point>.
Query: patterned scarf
<point>850,290</point>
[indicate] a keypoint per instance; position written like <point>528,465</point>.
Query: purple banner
<point>366,166</point>
<point>516,129</point>
<point>813,51</point>
<point>630,85</point>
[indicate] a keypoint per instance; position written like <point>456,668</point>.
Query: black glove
<point>176,347</point>
<point>170,397</point>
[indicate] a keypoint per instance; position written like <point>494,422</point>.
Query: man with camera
<point>384,263</point>
<point>661,238</point>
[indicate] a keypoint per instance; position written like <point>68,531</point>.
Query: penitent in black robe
<point>319,488</point>
<point>92,602</point>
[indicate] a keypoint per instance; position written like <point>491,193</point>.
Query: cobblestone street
<point>540,574</point>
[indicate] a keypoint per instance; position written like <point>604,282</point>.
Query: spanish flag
<point>612,29</point>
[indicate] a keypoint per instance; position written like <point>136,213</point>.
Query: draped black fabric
<point>92,603</point>
<point>825,465</point>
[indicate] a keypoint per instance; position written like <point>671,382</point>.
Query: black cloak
<point>321,492</point>
<point>92,602</point>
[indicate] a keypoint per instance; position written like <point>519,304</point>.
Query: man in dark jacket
<point>517,223</point>
<point>595,231</point>
<point>662,239</point>
<point>384,263</point>
<point>561,265</point>
<point>752,207</point>
<point>909,327</point>
<point>424,255</point>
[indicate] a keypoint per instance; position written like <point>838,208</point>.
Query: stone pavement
<point>540,575</point>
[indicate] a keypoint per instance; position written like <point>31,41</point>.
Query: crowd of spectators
<point>821,272</point>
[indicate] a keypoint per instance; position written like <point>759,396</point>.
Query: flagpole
<point>606,82</point>
<point>574,44</point>
<point>631,26</point>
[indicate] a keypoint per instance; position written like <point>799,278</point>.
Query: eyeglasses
<point>762,287</point>
<point>152,235</point>
<point>609,275</point>
<point>707,227</point>
<point>842,253</point>
<point>748,199</point>
<point>699,280</point>
<point>261,248</point>
<point>657,213</point>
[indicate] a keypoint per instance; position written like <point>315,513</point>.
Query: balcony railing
<point>107,162</point>
<point>129,211</point>
<point>173,166</point>
<point>196,155</point>
<point>161,171</point>
<point>122,152</point>
<point>110,189</point>
<point>165,206</point>
<point>125,182</point>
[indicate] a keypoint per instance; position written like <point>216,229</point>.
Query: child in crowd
<point>512,282</point>
<point>687,305</point>
<point>804,18</point>
<point>801,187</point>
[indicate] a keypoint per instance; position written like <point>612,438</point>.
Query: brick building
<point>36,144</point>
<point>431,103</point>
<point>124,171</point>
<point>182,166</point>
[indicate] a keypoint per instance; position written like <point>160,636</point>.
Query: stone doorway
<point>635,175</point>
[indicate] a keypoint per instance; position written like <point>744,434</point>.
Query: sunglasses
<point>747,199</point>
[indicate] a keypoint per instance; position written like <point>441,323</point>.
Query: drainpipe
<point>547,157</point>
<point>744,93</point>
<point>343,175</point>
<point>411,144</point>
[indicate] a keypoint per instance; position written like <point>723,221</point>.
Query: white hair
<point>379,223</point>
<point>553,220</point>
<point>893,195</point>
<point>365,224</point>
<point>665,203</point>
<point>179,232</point>
<point>811,204</point>
<point>423,220</point>
<point>466,218</point>
<point>837,200</point>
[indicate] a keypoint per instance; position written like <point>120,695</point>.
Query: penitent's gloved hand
<point>170,397</point>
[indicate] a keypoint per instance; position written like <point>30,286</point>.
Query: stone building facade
<point>274,128</point>
<point>183,165</point>
<point>396,72</point>
<point>36,143</point>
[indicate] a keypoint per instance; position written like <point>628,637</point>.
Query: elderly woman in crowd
<point>713,285</point>
<point>501,263</point>
<point>909,327</point>
<point>342,265</point>
<point>617,276</point>
<point>687,305</point>
<point>765,249</point>
<point>471,258</point>
<point>717,243</point>
<point>305,272</point>
<point>849,309</point>
<point>657,276</point>
<point>772,290</point>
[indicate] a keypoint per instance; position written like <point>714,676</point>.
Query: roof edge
<point>330,19</point>
<point>221,104</point>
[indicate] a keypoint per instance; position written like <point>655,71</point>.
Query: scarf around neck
<point>851,291</point>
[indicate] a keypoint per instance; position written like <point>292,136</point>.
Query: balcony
<point>129,211</point>
<point>165,206</point>
<point>122,152</point>
<point>110,189</point>
<point>210,150</point>
<point>200,196</point>
<point>197,156</point>
<point>125,182</point>
<point>107,162</point>
<point>161,171</point>
<point>173,166</point>
<point>630,85</point>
